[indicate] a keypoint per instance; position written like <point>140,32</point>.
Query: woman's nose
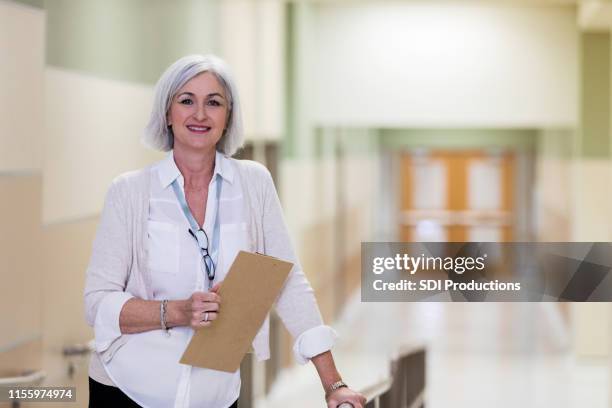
<point>201,113</point>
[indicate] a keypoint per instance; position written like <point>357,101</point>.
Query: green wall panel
<point>523,139</point>
<point>557,143</point>
<point>131,40</point>
<point>595,97</point>
<point>288,142</point>
<point>33,3</point>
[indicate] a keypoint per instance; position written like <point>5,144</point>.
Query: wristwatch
<point>335,386</point>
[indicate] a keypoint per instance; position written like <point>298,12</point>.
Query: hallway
<point>380,121</point>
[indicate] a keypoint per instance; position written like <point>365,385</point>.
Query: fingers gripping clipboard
<point>247,294</point>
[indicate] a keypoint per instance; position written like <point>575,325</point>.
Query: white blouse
<point>146,368</point>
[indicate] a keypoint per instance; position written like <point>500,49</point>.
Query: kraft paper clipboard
<point>247,294</point>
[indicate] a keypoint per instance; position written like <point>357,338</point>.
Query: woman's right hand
<point>200,309</point>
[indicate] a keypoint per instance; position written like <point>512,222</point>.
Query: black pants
<point>104,396</point>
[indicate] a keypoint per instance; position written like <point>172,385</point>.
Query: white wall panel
<point>239,49</point>
<point>22,53</point>
<point>271,60</point>
<point>94,128</point>
<point>449,64</point>
<point>252,44</point>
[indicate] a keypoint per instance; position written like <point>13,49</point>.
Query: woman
<point>167,236</point>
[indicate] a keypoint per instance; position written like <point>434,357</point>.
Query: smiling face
<point>198,114</point>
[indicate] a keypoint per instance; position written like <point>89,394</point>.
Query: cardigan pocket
<point>163,247</point>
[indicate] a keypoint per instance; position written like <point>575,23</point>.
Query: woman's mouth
<point>198,129</point>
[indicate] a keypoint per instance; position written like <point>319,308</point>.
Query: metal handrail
<point>376,390</point>
<point>372,392</point>
<point>33,378</point>
<point>78,349</point>
<point>386,391</point>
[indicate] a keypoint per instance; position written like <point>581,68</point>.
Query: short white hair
<point>158,135</point>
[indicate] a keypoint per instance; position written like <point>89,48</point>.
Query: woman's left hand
<point>345,394</point>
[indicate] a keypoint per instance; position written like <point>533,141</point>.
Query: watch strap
<point>336,385</point>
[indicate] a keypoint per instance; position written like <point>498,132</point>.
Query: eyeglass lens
<point>202,238</point>
<point>210,266</point>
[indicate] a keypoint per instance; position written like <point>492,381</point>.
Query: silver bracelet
<point>162,314</point>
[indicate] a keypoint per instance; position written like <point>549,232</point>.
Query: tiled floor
<point>478,355</point>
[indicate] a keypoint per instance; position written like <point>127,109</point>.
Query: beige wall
<point>591,221</point>
<point>22,273</point>
<point>554,185</point>
<point>592,328</point>
<point>25,356</point>
<point>41,296</point>
<point>593,200</point>
<point>67,248</point>
<point>330,207</point>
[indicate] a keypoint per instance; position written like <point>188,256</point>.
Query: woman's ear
<point>168,121</point>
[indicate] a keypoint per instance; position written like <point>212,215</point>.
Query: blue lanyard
<point>195,228</point>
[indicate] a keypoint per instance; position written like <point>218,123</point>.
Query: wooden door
<point>457,196</point>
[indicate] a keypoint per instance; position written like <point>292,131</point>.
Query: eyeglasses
<point>202,239</point>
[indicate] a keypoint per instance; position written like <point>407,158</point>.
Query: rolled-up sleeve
<point>107,272</point>
<point>314,342</point>
<point>296,304</point>
<point>106,326</point>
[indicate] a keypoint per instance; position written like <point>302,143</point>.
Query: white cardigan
<point>119,261</point>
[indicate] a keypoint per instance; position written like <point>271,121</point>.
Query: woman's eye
<point>214,102</point>
<point>186,102</point>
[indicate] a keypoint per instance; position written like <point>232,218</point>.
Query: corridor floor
<point>478,355</point>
